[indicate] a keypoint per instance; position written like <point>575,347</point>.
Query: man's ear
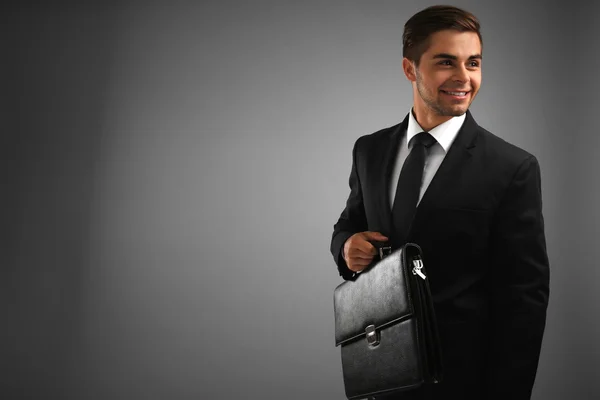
<point>409,69</point>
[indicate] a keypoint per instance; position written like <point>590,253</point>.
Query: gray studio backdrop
<point>171,173</point>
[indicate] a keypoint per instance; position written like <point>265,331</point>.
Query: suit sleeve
<point>351,220</point>
<point>520,287</point>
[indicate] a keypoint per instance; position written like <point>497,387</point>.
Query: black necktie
<point>409,186</point>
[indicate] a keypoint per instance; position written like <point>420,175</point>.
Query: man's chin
<point>449,110</point>
<point>458,113</point>
<point>457,110</point>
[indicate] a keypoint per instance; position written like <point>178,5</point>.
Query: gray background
<point>171,173</point>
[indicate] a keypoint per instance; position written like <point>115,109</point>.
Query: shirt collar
<point>444,133</point>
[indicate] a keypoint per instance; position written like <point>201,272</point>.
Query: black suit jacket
<point>481,230</point>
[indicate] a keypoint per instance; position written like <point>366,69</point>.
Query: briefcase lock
<point>372,335</point>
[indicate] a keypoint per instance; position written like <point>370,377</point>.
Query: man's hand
<point>359,252</point>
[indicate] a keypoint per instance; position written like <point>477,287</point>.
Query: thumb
<point>374,236</point>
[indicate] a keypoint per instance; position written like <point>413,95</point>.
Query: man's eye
<point>445,62</point>
<point>474,64</point>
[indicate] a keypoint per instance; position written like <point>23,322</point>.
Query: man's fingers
<point>360,254</point>
<point>365,247</point>
<point>360,262</point>
<point>369,235</point>
<point>359,248</point>
<point>358,265</point>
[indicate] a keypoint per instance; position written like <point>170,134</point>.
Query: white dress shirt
<point>444,135</point>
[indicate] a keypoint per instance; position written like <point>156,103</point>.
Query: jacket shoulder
<point>368,141</point>
<point>501,151</point>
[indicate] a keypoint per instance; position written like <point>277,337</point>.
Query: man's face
<point>449,73</point>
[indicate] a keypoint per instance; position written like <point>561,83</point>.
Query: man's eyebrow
<point>452,57</point>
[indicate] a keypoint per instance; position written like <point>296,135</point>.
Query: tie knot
<point>423,138</point>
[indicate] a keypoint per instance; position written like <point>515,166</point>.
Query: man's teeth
<point>457,93</point>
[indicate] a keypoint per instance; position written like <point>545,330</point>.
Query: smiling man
<point>446,76</point>
<point>471,200</point>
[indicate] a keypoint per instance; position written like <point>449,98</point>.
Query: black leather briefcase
<point>385,325</point>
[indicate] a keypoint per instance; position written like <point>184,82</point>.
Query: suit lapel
<point>389,151</point>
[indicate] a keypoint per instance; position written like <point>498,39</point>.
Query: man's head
<point>442,58</point>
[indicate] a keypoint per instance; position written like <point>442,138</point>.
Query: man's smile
<point>456,94</point>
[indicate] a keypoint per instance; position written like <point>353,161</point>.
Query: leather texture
<point>374,300</point>
<point>397,302</point>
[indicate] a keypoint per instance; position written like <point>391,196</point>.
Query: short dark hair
<point>420,26</point>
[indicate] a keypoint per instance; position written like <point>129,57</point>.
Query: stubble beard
<point>432,104</point>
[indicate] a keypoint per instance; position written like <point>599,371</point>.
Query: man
<point>478,217</point>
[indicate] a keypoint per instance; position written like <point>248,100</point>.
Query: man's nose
<point>461,74</point>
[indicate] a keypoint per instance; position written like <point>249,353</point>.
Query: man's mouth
<point>457,94</point>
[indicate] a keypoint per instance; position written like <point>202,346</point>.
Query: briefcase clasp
<point>385,251</point>
<point>372,335</point>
